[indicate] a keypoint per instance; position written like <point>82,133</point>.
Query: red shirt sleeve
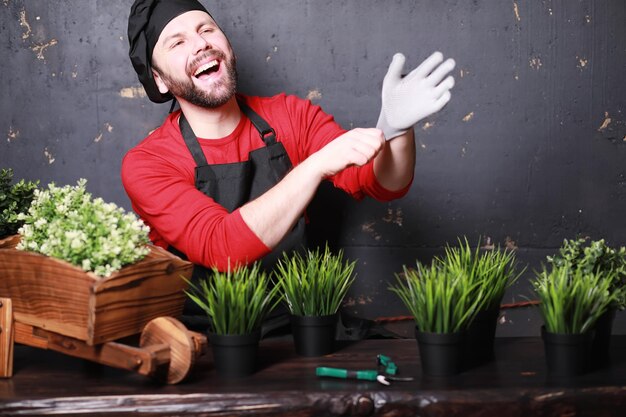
<point>163,194</point>
<point>314,129</point>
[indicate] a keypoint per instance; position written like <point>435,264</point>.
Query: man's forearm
<point>272,215</point>
<point>395,164</point>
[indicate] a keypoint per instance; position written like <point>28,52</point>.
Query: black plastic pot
<point>600,347</point>
<point>314,335</point>
<point>566,354</point>
<point>235,355</point>
<point>441,354</point>
<point>480,338</point>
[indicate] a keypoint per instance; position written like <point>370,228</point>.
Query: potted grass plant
<point>490,272</point>
<point>236,302</point>
<point>571,301</point>
<point>314,285</point>
<point>442,304</point>
<point>15,198</point>
<point>596,256</point>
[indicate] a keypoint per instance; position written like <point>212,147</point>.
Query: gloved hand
<point>407,100</point>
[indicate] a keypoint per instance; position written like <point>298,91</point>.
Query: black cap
<point>147,20</point>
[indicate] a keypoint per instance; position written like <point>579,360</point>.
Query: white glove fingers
<point>427,66</point>
<point>442,101</point>
<point>444,86</point>
<point>395,67</point>
<point>441,71</point>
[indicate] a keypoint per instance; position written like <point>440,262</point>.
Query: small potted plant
<point>596,256</point>
<point>571,301</point>
<point>491,272</point>
<point>14,199</point>
<point>314,285</point>
<point>236,302</point>
<point>85,268</point>
<point>442,304</point>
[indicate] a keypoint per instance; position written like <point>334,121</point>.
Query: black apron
<point>234,184</point>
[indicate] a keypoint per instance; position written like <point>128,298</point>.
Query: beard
<point>221,92</point>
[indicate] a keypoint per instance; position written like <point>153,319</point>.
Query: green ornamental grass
<point>492,270</point>
<point>440,300</point>
<point>67,223</point>
<point>236,301</point>
<point>14,199</point>
<point>572,300</point>
<point>314,284</point>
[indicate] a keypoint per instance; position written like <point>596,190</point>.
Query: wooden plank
<point>45,323</point>
<point>30,336</point>
<point>6,338</point>
<point>515,384</point>
<point>150,361</point>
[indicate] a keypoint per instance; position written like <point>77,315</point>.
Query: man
<point>226,180</point>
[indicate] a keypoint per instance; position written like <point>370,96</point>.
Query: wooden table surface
<point>515,384</point>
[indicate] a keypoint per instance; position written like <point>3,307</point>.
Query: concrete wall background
<point>530,150</point>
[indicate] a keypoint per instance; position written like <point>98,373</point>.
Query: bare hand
<point>355,147</point>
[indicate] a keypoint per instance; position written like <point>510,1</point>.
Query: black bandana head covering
<point>147,20</point>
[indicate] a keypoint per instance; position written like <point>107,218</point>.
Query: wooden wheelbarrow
<point>50,304</point>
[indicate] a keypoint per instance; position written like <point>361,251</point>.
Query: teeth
<point>206,67</point>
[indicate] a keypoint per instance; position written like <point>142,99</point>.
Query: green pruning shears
<point>385,372</point>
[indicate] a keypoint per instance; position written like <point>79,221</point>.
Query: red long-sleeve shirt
<point>158,175</point>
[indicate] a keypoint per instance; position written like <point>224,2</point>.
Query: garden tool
<point>386,371</point>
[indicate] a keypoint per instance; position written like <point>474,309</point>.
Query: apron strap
<point>268,135</point>
<point>191,141</point>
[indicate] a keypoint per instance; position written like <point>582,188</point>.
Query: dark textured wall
<point>530,150</point>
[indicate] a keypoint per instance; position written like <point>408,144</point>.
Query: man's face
<point>194,61</point>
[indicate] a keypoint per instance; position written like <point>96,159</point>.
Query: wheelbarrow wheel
<point>185,346</point>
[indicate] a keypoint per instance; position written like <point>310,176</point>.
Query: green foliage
<point>316,283</point>
<point>572,300</point>
<point>66,223</point>
<point>440,300</point>
<point>236,301</point>
<point>595,256</point>
<point>492,270</point>
<point>14,199</point>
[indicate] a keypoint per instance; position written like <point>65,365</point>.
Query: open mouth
<point>206,70</point>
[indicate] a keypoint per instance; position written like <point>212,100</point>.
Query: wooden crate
<point>54,295</point>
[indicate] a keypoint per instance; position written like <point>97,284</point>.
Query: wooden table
<point>515,384</point>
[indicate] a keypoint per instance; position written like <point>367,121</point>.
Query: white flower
<point>40,223</point>
<point>86,265</point>
<point>72,234</point>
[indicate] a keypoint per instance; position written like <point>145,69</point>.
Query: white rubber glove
<point>407,100</point>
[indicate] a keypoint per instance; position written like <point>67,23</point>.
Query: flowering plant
<point>66,223</point>
<point>595,256</point>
